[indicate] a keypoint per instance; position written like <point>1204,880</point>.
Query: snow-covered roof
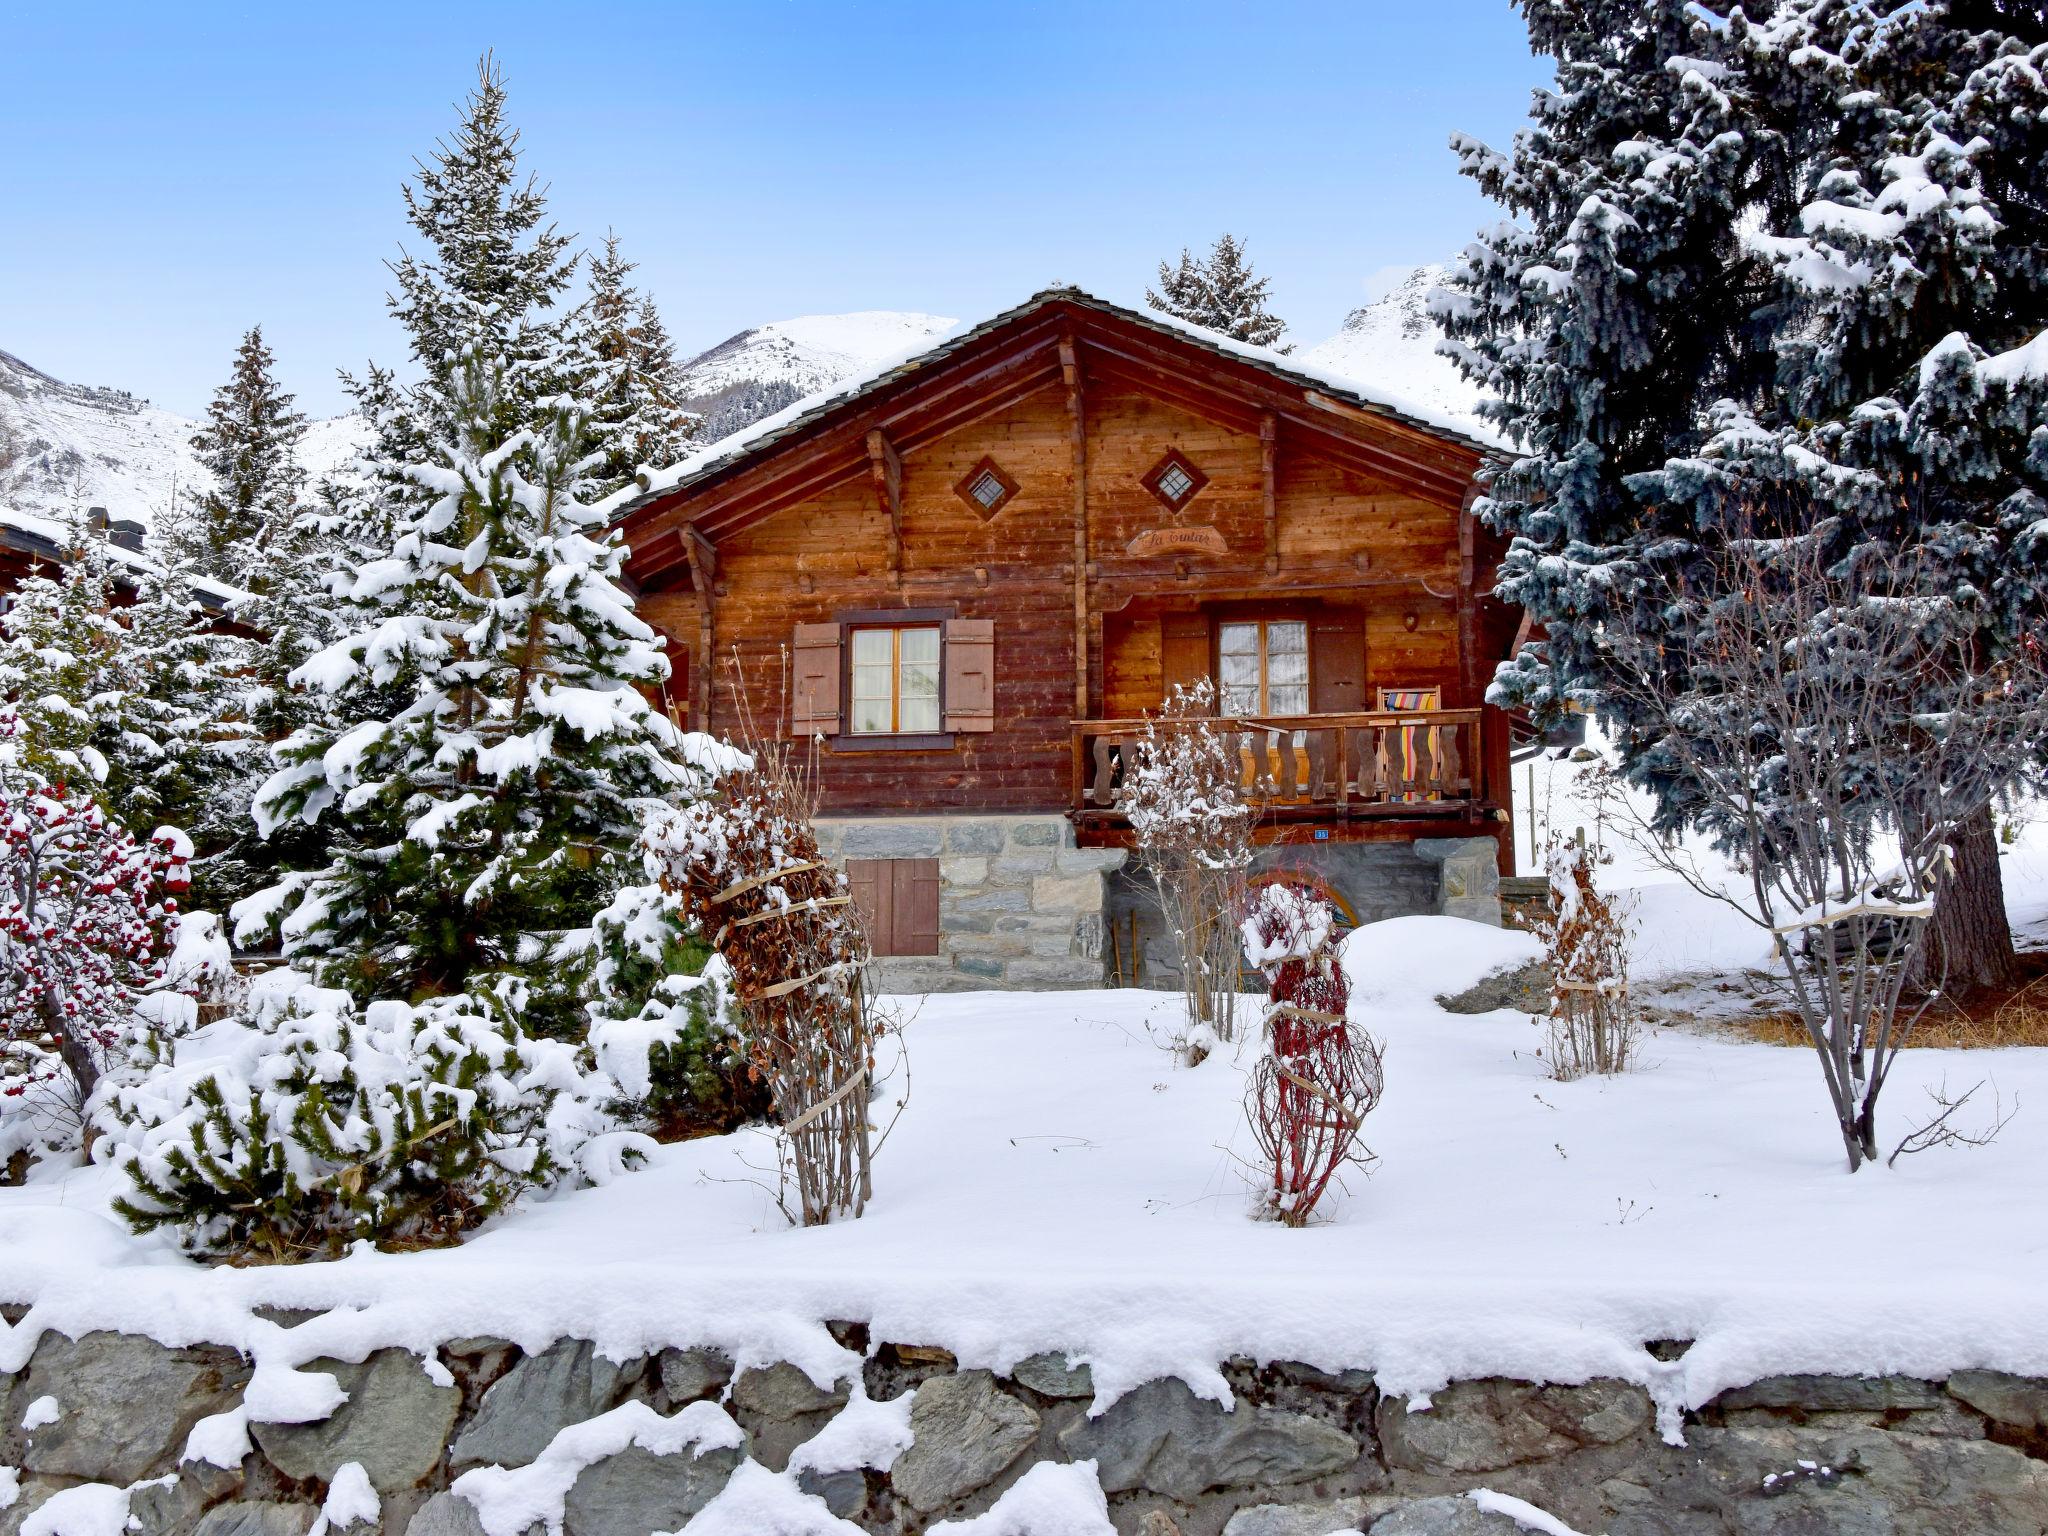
<point>45,538</point>
<point>793,419</point>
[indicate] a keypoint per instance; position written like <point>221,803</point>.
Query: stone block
<point>1164,1439</point>
<point>257,1517</point>
<point>2018,1402</point>
<point>1049,1375</point>
<point>966,924</point>
<point>1050,832</point>
<point>396,1423</point>
<point>563,1385</point>
<point>1482,1426</point>
<point>125,1403</point>
<point>975,835</point>
<point>688,1375</point>
<point>1833,1394</point>
<point>963,869</point>
<point>1448,1514</point>
<point>964,1435</point>
<point>984,967</point>
<point>1066,893</point>
<point>1054,975</point>
<point>1468,879</point>
<point>446,1514</point>
<point>1323,1518</point>
<point>844,1493</point>
<point>1021,864</point>
<point>637,1491</point>
<point>993,900</point>
<point>781,1391</point>
<point>915,975</point>
<point>1089,861</point>
<point>891,839</point>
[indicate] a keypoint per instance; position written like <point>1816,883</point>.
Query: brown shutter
<point>870,892</point>
<point>914,904</point>
<point>1336,663</point>
<point>970,661</point>
<point>1183,651</point>
<point>814,681</point>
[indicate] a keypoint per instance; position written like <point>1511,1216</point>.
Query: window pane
<point>1287,699</point>
<point>871,645</point>
<point>1290,638</point>
<point>920,681</point>
<point>988,490</point>
<point>920,644</point>
<point>919,714</point>
<point>1238,639</point>
<point>1238,671</point>
<point>1283,668</point>
<point>871,680</point>
<point>870,715</point>
<point>1241,700</point>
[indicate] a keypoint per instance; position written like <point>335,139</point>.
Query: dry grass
<point>2013,1016</point>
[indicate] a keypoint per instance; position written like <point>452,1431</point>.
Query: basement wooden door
<point>898,901</point>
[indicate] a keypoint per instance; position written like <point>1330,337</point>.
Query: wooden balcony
<point>1315,768</point>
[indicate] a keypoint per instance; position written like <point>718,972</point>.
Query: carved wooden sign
<point>1178,541</point>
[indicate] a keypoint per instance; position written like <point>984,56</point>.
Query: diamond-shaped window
<point>986,489</point>
<point>1174,480</point>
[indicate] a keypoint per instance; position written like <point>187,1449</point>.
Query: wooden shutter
<point>1336,663</point>
<point>914,906</point>
<point>970,662</point>
<point>1183,651</point>
<point>869,890</point>
<point>814,681</point>
<point>898,902</point>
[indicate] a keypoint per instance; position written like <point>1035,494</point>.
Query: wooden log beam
<point>1468,600</point>
<point>1269,486</point>
<point>1077,426</point>
<point>885,467</point>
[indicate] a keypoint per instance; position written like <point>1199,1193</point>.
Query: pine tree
<point>249,445</point>
<point>61,662</point>
<point>625,364</point>
<point>492,282</point>
<point>494,807</point>
<point>1760,280</point>
<point>1220,292</point>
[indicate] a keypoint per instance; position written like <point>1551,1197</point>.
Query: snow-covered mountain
<point>759,371</point>
<point>1390,346</point>
<point>71,446</point>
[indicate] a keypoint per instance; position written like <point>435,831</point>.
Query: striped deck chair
<point>1408,743</point>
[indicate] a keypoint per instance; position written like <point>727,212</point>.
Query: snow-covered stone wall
<point>475,1438</point>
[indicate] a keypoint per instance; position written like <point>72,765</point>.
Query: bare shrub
<point>1594,1024</point>
<point>747,868</point>
<point>1321,1074</point>
<point>1183,794</point>
<point>1830,726</point>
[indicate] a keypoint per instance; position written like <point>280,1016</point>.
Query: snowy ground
<point>1059,1183</point>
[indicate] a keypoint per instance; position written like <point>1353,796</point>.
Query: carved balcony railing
<point>1383,764</point>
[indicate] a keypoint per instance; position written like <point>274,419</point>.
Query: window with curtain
<point>895,677</point>
<point>1262,666</point>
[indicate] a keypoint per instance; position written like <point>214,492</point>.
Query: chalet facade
<point>971,575</point>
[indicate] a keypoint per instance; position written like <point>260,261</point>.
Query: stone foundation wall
<point>1302,1453</point>
<point>1447,876</point>
<point>1020,907</point>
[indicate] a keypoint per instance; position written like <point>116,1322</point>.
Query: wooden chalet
<point>971,575</point>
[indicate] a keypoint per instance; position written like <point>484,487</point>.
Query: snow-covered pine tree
<point>61,661</point>
<point>1762,276</point>
<point>625,364</point>
<point>494,808</point>
<point>492,281</point>
<point>181,750</point>
<point>1183,290</point>
<point>249,446</point>
<point>1220,292</point>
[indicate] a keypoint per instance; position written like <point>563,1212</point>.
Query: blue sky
<point>172,174</point>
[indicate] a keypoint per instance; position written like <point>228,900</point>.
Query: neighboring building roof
<point>44,538</point>
<point>793,420</point>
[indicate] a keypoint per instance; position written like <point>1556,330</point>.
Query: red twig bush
<point>1321,1075</point>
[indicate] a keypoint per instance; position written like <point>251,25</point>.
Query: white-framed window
<point>1262,666</point>
<point>894,672</point>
